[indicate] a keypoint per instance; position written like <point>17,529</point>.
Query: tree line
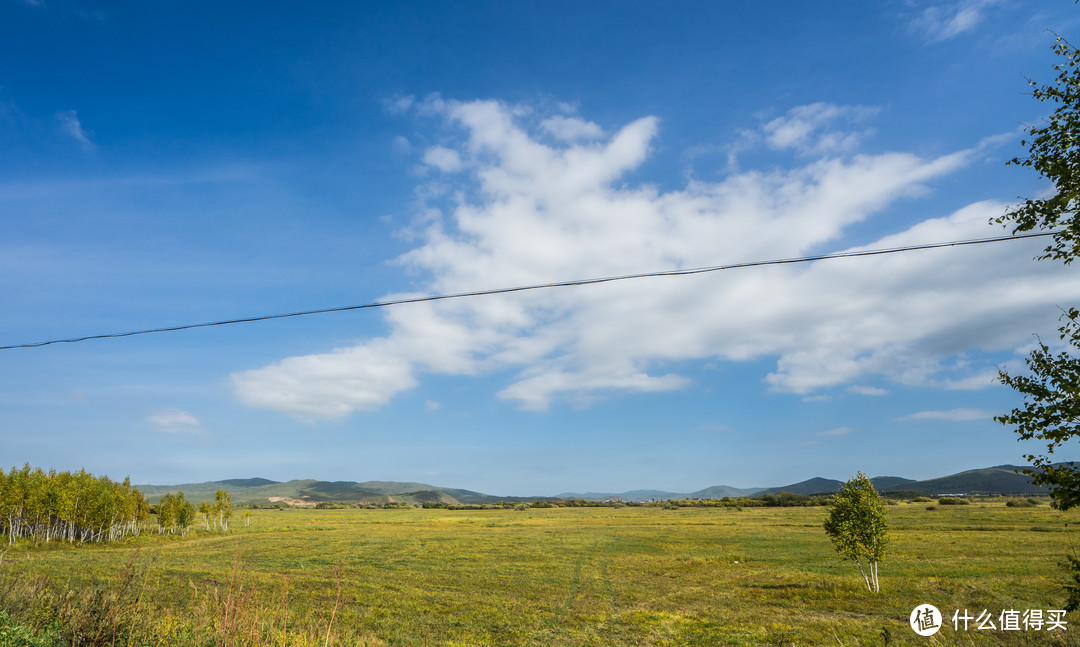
<point>176,514</point>
<point>41,507</point>
<point>62,506</point>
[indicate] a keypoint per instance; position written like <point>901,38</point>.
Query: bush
<point>953,500</point>
<point>1020,503</point>
<point>790,500</point>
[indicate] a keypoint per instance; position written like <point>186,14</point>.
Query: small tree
<point>223,508</point>
<point>167,513</point>
<point>205,509</point>
<point>185,513</point>
<point>856,524</point>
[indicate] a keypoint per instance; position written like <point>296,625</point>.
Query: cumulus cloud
<point>954,415</point>
<point>175,421</point>
<point>329,385</point>
<point>69,124</point>
<point>524,211</point>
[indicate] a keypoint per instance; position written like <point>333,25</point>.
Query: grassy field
<point>561,576</point>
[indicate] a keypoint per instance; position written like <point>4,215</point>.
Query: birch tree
<point>223,508</point>
<point>48,506</point>
<point>857,526</point>
<point>205,509</point>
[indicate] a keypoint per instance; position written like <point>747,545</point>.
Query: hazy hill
<point>632,495</point>
<point>721,491</point>
<point>714,492</point>
<point>255,482</point>
<point>392,487</point>
<point>260,490</point>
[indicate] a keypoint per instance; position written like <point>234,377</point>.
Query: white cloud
<point>813,130</point>
<point>980,380</point>
<point>954,415</point>
<point>946,20</point>
<point>330,385</point>
<point>859,389</point>
<point>526,212</point>
<point>399,104</point>
<point>401,145</point>
<point>571,129</point>
<point>70,126</point>
<point>175,421</point>
<point>444,159</point>
<point>431,405</point>
<point>807,129</point>
<point>837,431</point>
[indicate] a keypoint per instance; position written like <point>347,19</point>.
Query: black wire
<point>541,286</point>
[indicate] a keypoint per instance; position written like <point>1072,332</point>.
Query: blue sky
<point>172,163</point>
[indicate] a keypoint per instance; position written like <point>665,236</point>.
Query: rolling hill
<point>828,486</point>
<point>260,491</point>
<point>1001,479</point>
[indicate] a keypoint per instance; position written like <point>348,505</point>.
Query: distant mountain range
<point>310,492</point>
<point>1002,479</point>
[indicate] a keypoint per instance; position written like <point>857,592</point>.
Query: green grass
<point>563,576</point>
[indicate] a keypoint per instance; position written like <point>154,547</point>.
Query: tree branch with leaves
<point>1051,408</point>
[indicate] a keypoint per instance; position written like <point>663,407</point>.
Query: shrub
<point>953,500</point>
<point>1020,503</point>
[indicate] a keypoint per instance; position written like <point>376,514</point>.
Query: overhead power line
<point>539,286</point>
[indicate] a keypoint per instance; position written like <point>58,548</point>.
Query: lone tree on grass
<point>856,524</point>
